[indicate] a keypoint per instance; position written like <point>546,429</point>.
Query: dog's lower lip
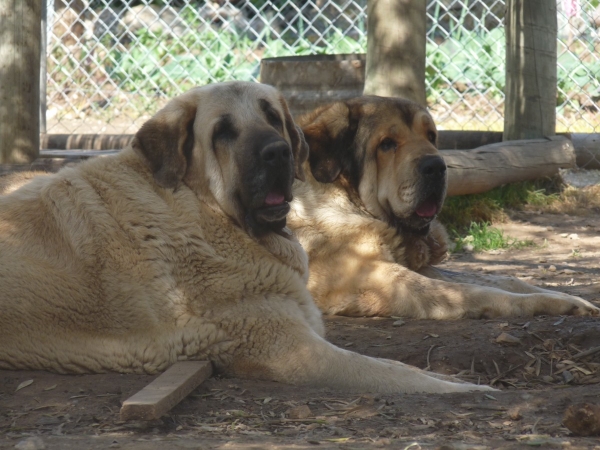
<point>272,213</point>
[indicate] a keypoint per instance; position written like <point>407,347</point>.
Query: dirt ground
<point>538,377</point>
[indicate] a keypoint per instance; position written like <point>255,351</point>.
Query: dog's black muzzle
<point>268,179</point>
<point>432,192</point>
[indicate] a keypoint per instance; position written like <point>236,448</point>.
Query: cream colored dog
<point>174,249</point>
<point>367,218</point>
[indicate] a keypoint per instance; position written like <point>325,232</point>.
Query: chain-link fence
<point>466,56</point>
<point>112,64</point>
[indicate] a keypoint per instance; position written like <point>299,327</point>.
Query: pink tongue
<point>427,209</point>
<point>274,198</point>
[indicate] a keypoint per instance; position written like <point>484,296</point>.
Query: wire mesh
<point>113,63</point>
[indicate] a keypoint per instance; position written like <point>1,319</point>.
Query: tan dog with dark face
<point>176,248</point>
<point>367,218</point>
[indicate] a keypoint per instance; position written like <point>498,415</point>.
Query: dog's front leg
<point>505,283</point>
<point>380,288</point>
<point>289,351</point>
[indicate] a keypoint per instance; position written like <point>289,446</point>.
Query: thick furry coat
<point>176,249</point>
<point>366,216</point>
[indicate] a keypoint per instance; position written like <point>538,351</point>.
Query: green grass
<point>469,218</point>
<point>483,237</point>
<point>460,211</point>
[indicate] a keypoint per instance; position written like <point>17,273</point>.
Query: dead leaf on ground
<point>24,384</point>
<point>509,339</point>
<point>299,412</point>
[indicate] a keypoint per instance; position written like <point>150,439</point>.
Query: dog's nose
<point>432,167</point>
<point>275,153</point>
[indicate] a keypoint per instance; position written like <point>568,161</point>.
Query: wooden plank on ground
<point>166,391</point>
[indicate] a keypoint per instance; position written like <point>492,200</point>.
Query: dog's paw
<point>584,308</point>
<point>571,305</point>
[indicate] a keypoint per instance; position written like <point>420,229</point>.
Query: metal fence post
<point>43,64</point>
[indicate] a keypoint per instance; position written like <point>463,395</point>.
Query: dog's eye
<point>224,130</point>
<point>431,136</point>
<point>388,145</point>
<point>274,119</point>
<point>271,114</point>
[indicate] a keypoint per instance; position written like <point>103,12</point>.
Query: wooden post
<point>531,33</point>
<point>396,49</point>
<point>43,65</point>
<point>19,80</point>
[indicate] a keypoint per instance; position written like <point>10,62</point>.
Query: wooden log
<point>530,106</point>
<point>469,171</point>
<point>54,160</point>
<point>19,80</point>
<point>490,166</point>
<point>396,44</point>
<point>587,145</point>
<point>166,391</point>
<point>587,150</point>
<point>466,140</point>
<point>40,164</point>
<point>85,141</point>
<point>76,154</point>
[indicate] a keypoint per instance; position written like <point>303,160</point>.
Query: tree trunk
<point>531,33</point>
<point>396,49</point>
<point>19,80</point>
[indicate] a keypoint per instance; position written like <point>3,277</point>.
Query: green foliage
<point>161,64</point>
<point>474,61</point>
<point>483,237</point>
<point>575,73</point>
<point>166,65</point>
<point>471,59</point>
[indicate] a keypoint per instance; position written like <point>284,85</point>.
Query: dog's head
<point>234,141</point>
<point>384,149</point>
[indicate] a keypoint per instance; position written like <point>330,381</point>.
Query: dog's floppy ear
<point>299,145</point>
<point>167,140</point>
<point>330,133</point>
